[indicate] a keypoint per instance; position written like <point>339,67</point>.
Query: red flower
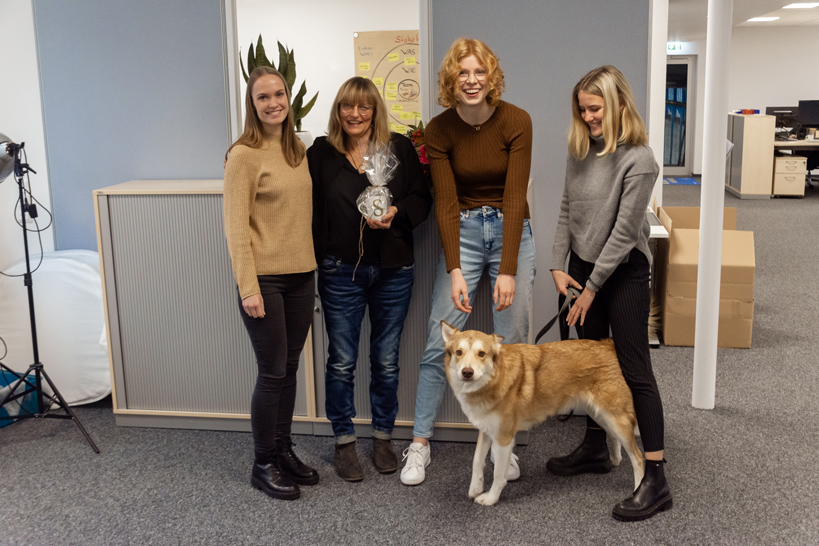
<point>422,155</point>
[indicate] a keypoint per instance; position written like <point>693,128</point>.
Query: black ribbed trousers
<point>623,303</point>
<point>278,340</point>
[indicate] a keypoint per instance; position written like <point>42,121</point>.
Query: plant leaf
<point>309,106</point>
<point>251,60</point>
<point>288,69</point>
<point>282,58</point>
<point>244,74</point>
<point>298,99</point>
<point>261,58</point>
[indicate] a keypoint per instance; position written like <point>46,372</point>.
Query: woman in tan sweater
<point>268,215</point>
<point>480,151</point>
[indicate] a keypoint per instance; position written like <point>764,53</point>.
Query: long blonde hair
<point>624,127</point>
<point>451,67</point>
<point>358,90</point>
<point>253,135</point>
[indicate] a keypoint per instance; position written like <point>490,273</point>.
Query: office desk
<point>789,172</point>
<point>796,144</point>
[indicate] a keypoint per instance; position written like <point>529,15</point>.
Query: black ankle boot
<point>651,496</point>
<point>590,456</point>
<point>293,467</point>
<point>271,479</point>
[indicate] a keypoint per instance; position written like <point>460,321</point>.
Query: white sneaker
<point>513,471</point>
<point>417,457</point>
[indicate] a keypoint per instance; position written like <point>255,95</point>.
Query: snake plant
<point>287,67</point>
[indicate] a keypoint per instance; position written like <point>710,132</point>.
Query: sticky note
<point>409,61</point>
<point>392,127</point>
<point>392,95</point>
<point>406,115</point>
<point>364,67</point>
<point>416,115</point>
<point>378,81</point>
<point>397,108</point>
<point>392,57</point>
<point>401,129</point>
<point>392,87</point>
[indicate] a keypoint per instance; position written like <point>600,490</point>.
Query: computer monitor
<point>809,113</point>
<point>786,116</point>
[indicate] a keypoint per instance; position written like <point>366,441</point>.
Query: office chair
<point>813,163</point>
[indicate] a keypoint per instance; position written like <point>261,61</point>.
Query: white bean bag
<point>70,323</point>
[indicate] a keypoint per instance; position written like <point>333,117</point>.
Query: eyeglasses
<point>480,75</point>
<point>363,109</point>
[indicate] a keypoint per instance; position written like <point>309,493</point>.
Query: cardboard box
<point>675,272</point>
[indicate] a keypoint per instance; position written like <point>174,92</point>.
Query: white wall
<point>21,120</point>
<point>321,35</point>
<point>769,67</point>
<point>773,67</point>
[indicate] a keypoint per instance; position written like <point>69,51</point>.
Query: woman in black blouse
<point>363,262</point>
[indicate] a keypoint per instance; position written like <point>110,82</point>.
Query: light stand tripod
<point>44,401</point>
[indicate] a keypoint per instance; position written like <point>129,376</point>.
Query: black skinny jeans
<point>624,303</point>
<point>278,340</point>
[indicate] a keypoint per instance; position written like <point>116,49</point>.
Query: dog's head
<point>470,356</point>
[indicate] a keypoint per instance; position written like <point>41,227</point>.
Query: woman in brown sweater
<point>268,215</point>
<point>480,152</point>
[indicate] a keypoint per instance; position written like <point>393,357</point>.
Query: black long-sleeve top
<point>334,183</point>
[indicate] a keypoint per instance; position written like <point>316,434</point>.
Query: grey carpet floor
<point>741,474</point>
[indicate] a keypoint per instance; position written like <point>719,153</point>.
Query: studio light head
<point>7,152</point>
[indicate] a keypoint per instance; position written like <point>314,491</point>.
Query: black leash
<point>571,293</point>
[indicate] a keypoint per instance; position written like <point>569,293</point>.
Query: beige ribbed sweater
<point>268,215</point>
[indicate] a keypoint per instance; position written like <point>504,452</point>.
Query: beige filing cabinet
<point>179,354</point>
<point>747,173</point>
<point>789,175</point>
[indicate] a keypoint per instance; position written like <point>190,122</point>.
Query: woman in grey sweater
<point>603,231</point>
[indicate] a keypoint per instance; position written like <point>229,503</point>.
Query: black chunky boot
<point>292,465</point>
<point>590,456</point>
<point>651,496</point>
<point>270,478</point>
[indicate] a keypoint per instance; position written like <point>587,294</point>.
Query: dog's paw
<point>475,489</point>
<point>486,499</point>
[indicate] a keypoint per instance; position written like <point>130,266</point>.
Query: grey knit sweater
<point>603,213</point>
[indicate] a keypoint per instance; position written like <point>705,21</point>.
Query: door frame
<point>690,114</point>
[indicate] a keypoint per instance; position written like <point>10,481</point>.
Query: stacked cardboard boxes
<point>676,260</point>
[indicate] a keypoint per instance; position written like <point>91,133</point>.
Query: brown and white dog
<point>506,388</point>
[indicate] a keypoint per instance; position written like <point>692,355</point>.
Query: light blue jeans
<point>481,247</point>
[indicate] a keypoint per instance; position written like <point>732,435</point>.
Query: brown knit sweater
<point>268,215</point>
<point>487,167</point>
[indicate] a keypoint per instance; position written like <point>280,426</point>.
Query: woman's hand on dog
<point>459,291</point>
<point>254,306</point>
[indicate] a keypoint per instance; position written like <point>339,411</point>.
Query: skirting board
<point>299,427</point>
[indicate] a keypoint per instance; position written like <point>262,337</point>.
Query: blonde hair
<point>359,91</point>
<point>451,68</point>
<point>253,135</point>
<point>624,127</point>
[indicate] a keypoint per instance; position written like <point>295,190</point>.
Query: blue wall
<point>545,47</point>
<point>131,90</point>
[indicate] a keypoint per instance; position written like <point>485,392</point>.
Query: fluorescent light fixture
<point>762,19</point>
<point>801,5</point>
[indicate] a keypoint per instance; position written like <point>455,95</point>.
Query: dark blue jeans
<point>387,292</point>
